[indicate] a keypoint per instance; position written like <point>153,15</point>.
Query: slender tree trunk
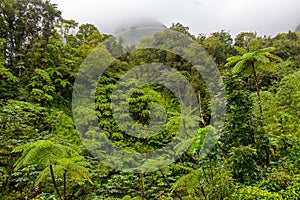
<point>252,134</point>
<point>267,149</point>
<point>65,185</point>
<point>257,91</point>
<point>142,185</point>
<point>222,152</point>
<point>203,192</point>
<point>268,156</point>
<point>54,182</point>
<point>200,109</point>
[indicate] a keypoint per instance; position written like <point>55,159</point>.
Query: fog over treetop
<point>267,17</point>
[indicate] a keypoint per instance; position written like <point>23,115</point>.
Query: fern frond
<point>189,182</point>
<point>76,167</point>
<point>239,67</point>
<point>43,152</point>
<point>248,56</point>
<point>232,60</point>
<point>42,176</point>
<point>240,50</point>
<point>275,58</point>
<point>266,50</point>
<point>21,148</point>
<point>261,58</point>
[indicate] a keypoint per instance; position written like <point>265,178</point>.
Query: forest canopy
<point>42,155</point>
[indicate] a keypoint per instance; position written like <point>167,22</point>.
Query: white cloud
<point>202,16</point>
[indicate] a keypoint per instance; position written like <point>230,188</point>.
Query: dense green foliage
<point>42,156</point>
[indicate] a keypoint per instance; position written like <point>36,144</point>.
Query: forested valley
<point>42,155</point>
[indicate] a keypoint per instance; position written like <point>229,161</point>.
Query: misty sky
<point>266,17</point>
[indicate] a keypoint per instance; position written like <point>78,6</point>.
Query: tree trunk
<point>222,152</point>
<point>65,185</point>
<point>267,149</point>
<point>54,182</point>
<point>203,192</point>
<point>142,185</point>
<point>268,157</point>
<point>257,91</point>
<point>200,109</point>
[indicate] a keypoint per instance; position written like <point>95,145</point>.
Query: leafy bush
<point>243,163</point>
<point>254,193</point>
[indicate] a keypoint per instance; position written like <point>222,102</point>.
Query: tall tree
<point>22,23</point>
<point>55,159</point>
<point>251,59</point>
<point>219,46</point>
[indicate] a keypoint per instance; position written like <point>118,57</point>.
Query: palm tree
<point>53,157</point>
<point>250,60</point>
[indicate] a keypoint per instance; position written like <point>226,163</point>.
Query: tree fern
<point>250,59</point>
<point>62,161</point>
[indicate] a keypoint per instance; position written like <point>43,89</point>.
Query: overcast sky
<point>266,17</point>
